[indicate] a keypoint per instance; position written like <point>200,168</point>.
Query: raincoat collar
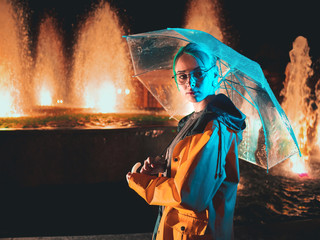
<point>220,108</point>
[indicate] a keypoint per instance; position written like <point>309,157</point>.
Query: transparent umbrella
<point>268,138</point>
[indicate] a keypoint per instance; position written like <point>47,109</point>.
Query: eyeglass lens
<point>197,75</point>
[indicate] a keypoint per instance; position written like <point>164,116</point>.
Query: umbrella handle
<point>135,167</point>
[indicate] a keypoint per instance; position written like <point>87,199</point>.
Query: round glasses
<point>197,74</point>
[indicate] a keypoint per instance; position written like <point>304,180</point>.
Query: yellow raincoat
<point>200,195</point>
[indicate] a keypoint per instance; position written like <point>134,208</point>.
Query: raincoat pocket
<point>186,226</point>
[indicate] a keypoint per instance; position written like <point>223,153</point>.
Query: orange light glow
<point>297,105</point>
<point>101,70</point>
<point>204,15</point>
<point>5,104</point>
<point>299,166</point>
<point>102,99</point>
<point>127,91</point>
<point>14,59</point>
<point>318,137</point>
<point>45,98</point>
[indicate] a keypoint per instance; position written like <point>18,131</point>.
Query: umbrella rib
<point>243,85</point>
<point>225,75</point>
<point>173,114</point>
<point>238,72</point>
<point>220,68</point>
<point>156,35</point>
<point>223,79</point>
<point>263,125</point>
<point>225,87</point>
<point>249,79</point>
<point>253,105</point>
<point>137,75</point>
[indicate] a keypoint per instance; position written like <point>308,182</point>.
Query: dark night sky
<point>261,30</point>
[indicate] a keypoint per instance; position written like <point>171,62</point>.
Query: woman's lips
<point>190,93</point>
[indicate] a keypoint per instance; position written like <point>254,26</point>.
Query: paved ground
<point>292,230</point>
<point>137,236</point>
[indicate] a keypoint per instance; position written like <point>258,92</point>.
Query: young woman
<point>197,182</point>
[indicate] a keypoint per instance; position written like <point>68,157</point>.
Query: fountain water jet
<point>203,15</point>
<point>297,102</point>
<point>50,72</point>
<point>317,94</point>
<point>15,61</point>
<point>101,69</point>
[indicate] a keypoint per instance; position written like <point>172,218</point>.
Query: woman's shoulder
<point>227,113</point>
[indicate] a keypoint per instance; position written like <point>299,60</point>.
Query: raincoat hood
<point>222,109</point>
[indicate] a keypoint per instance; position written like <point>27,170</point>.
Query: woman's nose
<point>192,81</point>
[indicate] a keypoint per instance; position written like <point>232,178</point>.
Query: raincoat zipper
<point>219,161</point>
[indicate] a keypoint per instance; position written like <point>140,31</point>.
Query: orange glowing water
<point>15,61</point>
<point>317,95</point>
<point>297,103</point>
<point>49,78</point>
<point>97,77</point>
<point>101,70</point>
<point>204,15</point>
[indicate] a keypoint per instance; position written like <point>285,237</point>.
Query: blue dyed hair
<point>200,54</point>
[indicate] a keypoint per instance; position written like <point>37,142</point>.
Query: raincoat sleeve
<point>194,171</point>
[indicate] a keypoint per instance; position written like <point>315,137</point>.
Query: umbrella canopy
<point>268,138</point>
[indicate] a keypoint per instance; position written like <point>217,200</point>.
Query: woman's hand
<point>152,166</point>
<point>133,170</point>
<point>128,176</point>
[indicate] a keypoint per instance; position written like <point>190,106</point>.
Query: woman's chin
<point>191,98</point>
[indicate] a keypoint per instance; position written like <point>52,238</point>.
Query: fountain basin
<point>72,156</point>
<point>72,181</point>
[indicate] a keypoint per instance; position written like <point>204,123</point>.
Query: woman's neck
<point>199,106</point>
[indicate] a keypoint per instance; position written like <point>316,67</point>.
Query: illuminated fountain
<point>97,79</point>
<point>299,104</point>
<point>15,61</point>
<point>49,77</point>
<point>290,192</point>
<point>102,67</point>
<point>317,94</point>
<point>94,79</point>
<point>203,15</point>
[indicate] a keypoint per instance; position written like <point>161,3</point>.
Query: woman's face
<point>195,89</point>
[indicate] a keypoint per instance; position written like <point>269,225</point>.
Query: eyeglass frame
<point>191,73</point>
